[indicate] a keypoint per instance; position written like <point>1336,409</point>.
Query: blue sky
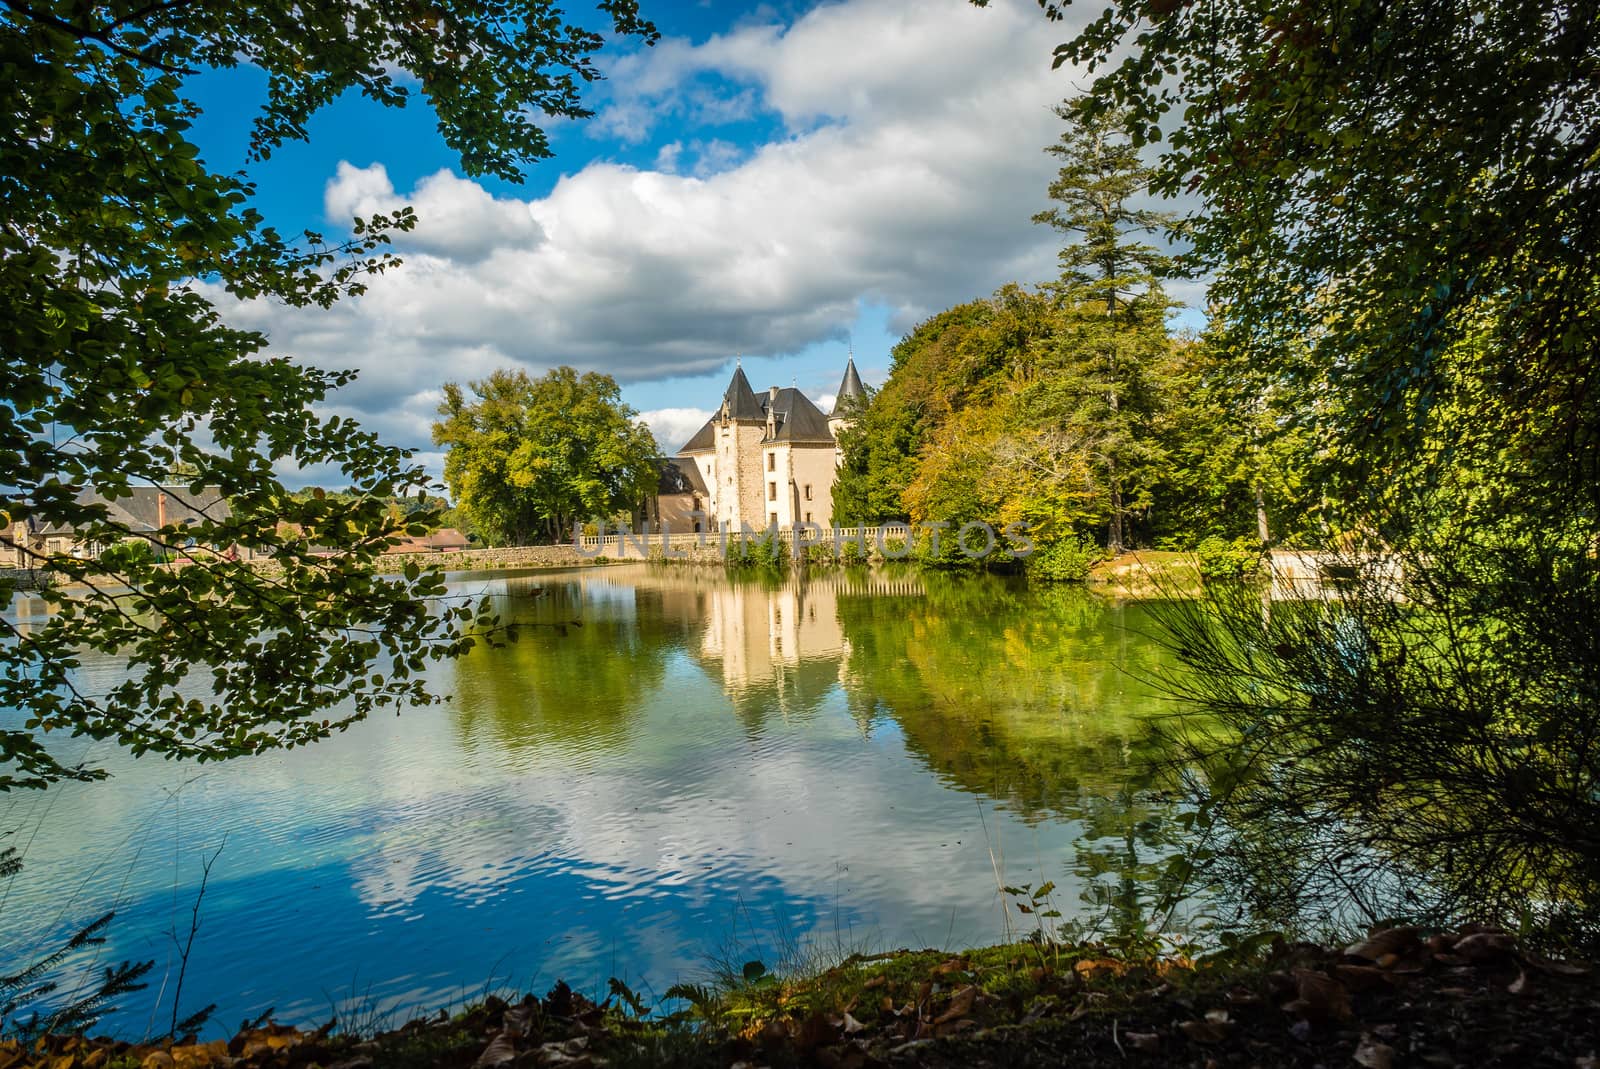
<point>777,182</point>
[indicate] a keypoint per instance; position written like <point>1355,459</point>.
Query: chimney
<point>161,509</point>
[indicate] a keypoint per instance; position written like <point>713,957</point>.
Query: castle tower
<point>849,401</point>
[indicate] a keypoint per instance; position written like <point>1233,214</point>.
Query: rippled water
<point>704,768</point>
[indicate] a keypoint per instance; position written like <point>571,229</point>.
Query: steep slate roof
<point>679,477</point>
<point>741,399</point>
<point>142,511</point>
<point>704,440</point>
<point>798,419</point>
<point>850,389</point>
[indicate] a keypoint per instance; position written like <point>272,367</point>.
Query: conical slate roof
<point>741,399</point>
<point>851,392</point>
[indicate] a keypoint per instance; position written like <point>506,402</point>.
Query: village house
<point>764,459</point>
<point>25,543</point>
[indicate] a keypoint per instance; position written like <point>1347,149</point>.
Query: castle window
<point>808,491</point>
<point>772,462</point>
<point>808,517</point>
<point>772,491</point>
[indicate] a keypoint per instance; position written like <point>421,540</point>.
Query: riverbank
<point>1148,574</point>
<point>1398,997</point>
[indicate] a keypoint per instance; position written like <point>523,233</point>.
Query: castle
<point>769,458</point>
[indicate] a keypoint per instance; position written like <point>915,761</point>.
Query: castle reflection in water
<point>761,634</point>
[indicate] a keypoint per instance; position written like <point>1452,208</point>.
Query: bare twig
<point>194,928</point>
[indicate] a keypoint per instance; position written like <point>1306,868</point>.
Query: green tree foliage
<point>1400,214</point>
<point>1113,329</point>
<point>1070,410</point>
<point>119,371</point>
<point>1237,455</point>
<point>1385,183</point>
<point>529,457</point>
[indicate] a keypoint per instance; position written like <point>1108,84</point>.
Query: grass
<point>1150,574</point>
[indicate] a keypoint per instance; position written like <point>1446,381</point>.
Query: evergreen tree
<point>1113,332</point>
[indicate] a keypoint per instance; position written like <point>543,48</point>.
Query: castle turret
<point>849,401</point>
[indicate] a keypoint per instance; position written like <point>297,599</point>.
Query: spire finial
<point>738,361</point>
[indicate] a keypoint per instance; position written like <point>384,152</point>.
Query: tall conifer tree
<point>1114,327</point>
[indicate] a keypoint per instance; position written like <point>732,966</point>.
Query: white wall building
<point>771,458</point>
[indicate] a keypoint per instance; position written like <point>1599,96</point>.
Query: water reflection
<point>669,761</point>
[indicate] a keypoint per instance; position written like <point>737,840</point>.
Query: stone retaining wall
<point>563,556</point>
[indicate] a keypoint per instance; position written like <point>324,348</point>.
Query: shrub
<point>1066,560</point>
<point>1421,749</point>
<point>948,554</point>
<point>1225,561</point>
<point>766,551</point>
<point>130,552</point>
<point>853,553</point>
<point>819,555</point>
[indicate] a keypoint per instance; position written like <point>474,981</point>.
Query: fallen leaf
<point>1560,968</point>
<point>1218,1017</point>
<point>1205,1031</point>
<point>501,1049</point>
<point>1361,977</point>
<point>1148,1042</point>
<point>1323,997</point>
<point>851,1025</point>
<point>1485,946</point>
<point>960,1004</point>
<point>1093,968</point>
<point>1397,941</point>
<point>1374,1055</point>
<point>1521,986</point>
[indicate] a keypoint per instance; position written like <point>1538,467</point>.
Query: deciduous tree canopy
<point>118,371</point>
<point>529,457</point>
<point>1072,409</point>
<point>1400,203</point>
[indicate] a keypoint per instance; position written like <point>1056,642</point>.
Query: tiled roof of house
<point>704,440</point>
<point>144,510</point>
<point>679,477</point>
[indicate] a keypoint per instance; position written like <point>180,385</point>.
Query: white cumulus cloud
<point>674,426</point>
<point>905,173</point>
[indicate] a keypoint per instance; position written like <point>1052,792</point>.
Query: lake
<point>672,767</point>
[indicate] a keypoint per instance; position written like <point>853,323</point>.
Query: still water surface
<point>706,767</point>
